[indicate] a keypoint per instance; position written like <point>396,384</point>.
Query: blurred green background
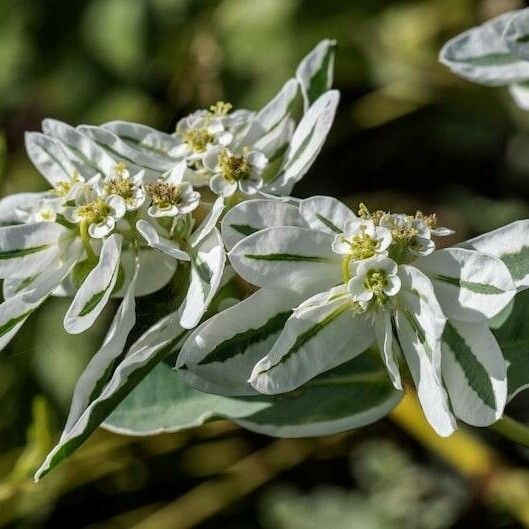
<point>408,135</point>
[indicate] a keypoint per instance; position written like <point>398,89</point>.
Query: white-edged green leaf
<point>149,140</point>
<point>513,337</point>
<point>470,286</point>
<point>325,213</point>
<point>96,289</point>
<point>420,323</point>
<point>312,341</point>
<point>80,146</point>
<point>388,347</point>
<point>315,71</point>
<point>154,345</point>
<point>251,216</point>
<point>516,34</point>
<point>207,266</point>
<point>350,396</point>
<point>49,157</point>
<point>274,144</point>
<point>218,357</point>
<point>511,244</point>
<point>27,249</point>
<point>287,257</point>
<point>520,94</point>
<point>307,141</point>
<point>118,148</point>
<point>272,114</point>
<point>474,372</point>
<point>99,369</point>
<point>482,55</point>
<point>208,223</point>
<point>15,310</point>
<point>159,242</point>
<point>156,270</point>
<point>12,205</point>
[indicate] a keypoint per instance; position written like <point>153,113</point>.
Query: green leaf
<point>513,338</point>
<point>353,395</point>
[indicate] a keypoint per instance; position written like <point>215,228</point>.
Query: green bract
<point>495,54</point>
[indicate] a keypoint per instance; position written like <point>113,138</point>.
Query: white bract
<point>494,54</point>
<point>338,283</point>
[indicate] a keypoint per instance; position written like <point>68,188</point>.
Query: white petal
<point>102,229</point>
<point>220,186</point>
<point>287,257</point>
<point>118,206</point>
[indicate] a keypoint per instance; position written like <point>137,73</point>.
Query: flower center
<point>234,167</point>
<point>120,186</point>
<point>198,139</point>
<point>63,187</point>
<point>363,246</point>
<point>47,215</point>
<point>95,212</point>
<point>376,281</point>
<point>164,195</point>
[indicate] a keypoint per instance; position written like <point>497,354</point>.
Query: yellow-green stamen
<point>234,167</point>
<point>164,195</point>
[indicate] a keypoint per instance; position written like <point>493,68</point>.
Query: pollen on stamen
<point>220,108</point>
<point>94,212</point>
<point>164,195</point>
<point>234,167</point>
<point>198,139</point>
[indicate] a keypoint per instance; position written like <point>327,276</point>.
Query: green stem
<point>512,430</point>
<point>85,237</point>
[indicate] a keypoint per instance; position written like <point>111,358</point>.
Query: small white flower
<point>374,279</point>
<point>232,171</point>
<point>201,131</point>
<point>410,235</point>
<point>97,210</point>
<point>123,185</point>
<point>170,198</point>
<point>362,239</point>
<point>45,211</point>
<point>67,189</point>
<point>403,302</point>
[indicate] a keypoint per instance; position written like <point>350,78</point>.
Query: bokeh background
<point>408,136</point>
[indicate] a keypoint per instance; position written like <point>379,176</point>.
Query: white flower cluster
<point>128,203</point>
<point>131,208</point>
<point>346,282</point>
